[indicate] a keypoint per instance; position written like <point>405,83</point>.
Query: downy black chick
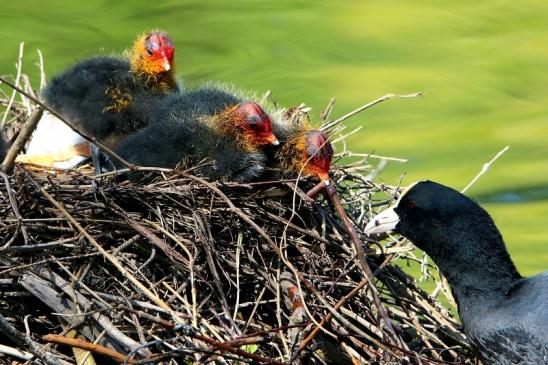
<point>109,97</point>
<point>210,127</point>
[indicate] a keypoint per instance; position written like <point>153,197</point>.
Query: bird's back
<point>183,116</point>
<point>208,100</point>
<point>102,97</point>
<point>515,331</point>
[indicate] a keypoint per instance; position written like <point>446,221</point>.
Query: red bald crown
<point>256,123</point>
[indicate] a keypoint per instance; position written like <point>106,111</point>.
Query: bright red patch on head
<point>160,48</point>
<point>256,123</point>
<point>320,153</point>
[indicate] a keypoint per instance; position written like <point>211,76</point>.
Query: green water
<point>482,65</point>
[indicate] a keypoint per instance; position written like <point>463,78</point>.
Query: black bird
<point>108,97</point>
<point>504,315</point>
<point>208,126</point>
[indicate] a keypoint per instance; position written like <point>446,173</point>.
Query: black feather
<point>83,95</point>
<point>178,134</point>
<point>3,147</point>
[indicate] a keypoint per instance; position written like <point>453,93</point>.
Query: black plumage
<point>287,122</point>
<point>504,314</point>
<point>101,97</point>
<point>202,127</point>
<point>3,148</point>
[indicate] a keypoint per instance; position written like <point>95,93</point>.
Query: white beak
<point>383,222</point>
<point>167,66</point>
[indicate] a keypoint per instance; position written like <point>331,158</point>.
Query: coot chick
<point>302,150</point>
<point>308,153</point>
<point>109,97</point>
<point>504,315</point>
<point>210,127</point>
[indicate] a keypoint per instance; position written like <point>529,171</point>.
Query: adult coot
<point>504,314</point>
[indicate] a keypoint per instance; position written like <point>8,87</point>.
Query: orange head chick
<point>248,123</point>
<point>153,57</point>
<point>309,153</point>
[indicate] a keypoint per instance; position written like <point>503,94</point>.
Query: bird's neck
<point>162,82</point>
<point>165,81</point>
<point>291,155</point>
<point>479,277</point>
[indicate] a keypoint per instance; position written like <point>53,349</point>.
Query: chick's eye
<point>411,204</point>
<point>150,52</point>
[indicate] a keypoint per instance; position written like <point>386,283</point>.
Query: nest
<point>182,270</point>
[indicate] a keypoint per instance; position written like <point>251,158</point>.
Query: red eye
<point>410,204</point>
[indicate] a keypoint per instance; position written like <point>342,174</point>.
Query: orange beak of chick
<point>324,177</point>
<point>166,63</point>
<point>273,140</point>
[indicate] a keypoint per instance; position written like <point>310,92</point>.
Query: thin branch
<point>484,169</point>
<point>360,254</point>
<point>370,155</point>
<point>22,138</point>
<point>41,68</point>
<point>18,66</point>
<point>324,115</point>
<point>11,351</point>
<point>88,346</point>
<point>332,124</point>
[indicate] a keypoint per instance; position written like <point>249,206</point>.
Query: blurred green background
<point>482,65</point>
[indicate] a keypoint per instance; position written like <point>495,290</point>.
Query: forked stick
<point>18,66</point>
<point>339,120</point>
